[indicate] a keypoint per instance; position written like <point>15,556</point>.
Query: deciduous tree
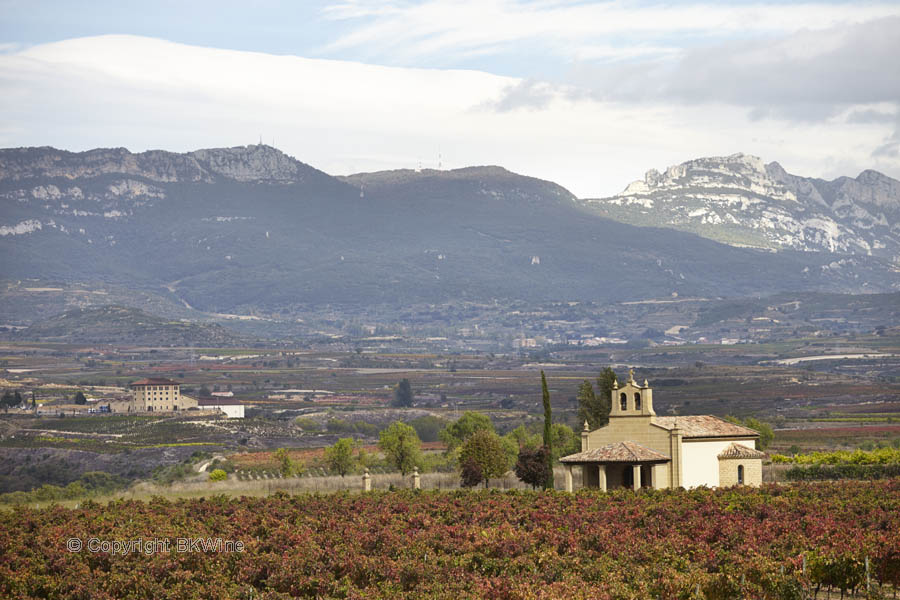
<point>470,473</point>
<point>428,427</point>
<point>485,449</point>
<point>460,430</point>
<point>531,466</point>
<point>401,446</point>
<point>285,465</point>
<point>339,457</point>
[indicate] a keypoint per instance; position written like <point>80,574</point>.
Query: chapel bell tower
<point>632,399</point>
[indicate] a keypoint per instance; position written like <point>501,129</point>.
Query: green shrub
<point>877,456</point>
<point>843,471</point>
<point>218,475</point>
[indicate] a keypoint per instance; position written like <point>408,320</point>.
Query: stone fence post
<point>367,481</point>
<point>416,479</point>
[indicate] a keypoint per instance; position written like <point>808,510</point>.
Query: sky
<point>590,95</point>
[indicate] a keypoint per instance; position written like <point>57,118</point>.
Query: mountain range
<point>238,230</point>
<point>741,201</point>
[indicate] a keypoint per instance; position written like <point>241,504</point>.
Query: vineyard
<point>879,456</point>
<point>775,542</point>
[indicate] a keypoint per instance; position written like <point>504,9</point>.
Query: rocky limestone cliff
<point>259,163</point>
<point>740,200</point>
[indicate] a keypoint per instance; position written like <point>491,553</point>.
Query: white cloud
<point>403,32</point>
<point>344,117</point>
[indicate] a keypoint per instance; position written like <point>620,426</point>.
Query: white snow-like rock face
<point>740,200</point>
<point>29,226</point>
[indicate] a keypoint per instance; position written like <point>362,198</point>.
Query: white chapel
<point>638,449</point>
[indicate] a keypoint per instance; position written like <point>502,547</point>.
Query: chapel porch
<point>615,466</point>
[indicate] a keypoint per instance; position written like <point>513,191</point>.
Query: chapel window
<point>623,399</point>
<point>740,474</point>
<point>637,401</point>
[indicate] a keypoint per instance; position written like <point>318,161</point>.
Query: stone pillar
<point>676,467</point>
<point>601,477</point>
<point>416,480</point>
<point>568,477</point>
<point>636,470</point>
<point>584,437</point>
<point>367,481</point>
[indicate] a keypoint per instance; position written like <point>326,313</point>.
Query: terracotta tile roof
<point>154,381</point>
<point>735,450</point>
<point>701,426</point>
<point>626,452</point>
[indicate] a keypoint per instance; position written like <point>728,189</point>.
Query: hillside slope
<point>240,229</point>
<point>122,325</point>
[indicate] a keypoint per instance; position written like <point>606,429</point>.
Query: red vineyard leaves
<point>774,542</point>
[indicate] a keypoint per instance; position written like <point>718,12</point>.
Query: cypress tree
<point>548,432</point>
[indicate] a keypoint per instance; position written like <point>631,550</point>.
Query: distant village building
<point>158,394</point>
<point>639,449</point>
<point>231,407</point>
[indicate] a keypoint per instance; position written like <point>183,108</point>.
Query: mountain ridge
<point>253,163</point>
<point>237,229</point>
<point>739,200</point>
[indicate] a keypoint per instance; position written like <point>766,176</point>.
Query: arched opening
<point>740,474</point>
<point>637,401</point>
<point>623,400</point>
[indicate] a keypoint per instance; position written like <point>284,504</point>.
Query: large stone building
<point>639,449</point>
<point>158,394</point>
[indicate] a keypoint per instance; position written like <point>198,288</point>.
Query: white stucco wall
<point>232,411</point>
<point>701,463</point>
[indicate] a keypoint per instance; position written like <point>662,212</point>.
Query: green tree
<point>766,433</point>
<point>339,457</point>
<point>548,431</point>
<point>587,404</point>
<point>403,394</point>
<point>594,408</point>
<point>401,446</point>
<point>285,465</point>
<point>565,441</point>
<point>428,427</point>
<point>460,430</point>
<point>80,398</point>
<point>8,400</point>
<point>524,438</point>
<point>532,466</point>
<point>218,475</point>
<point>485,449</point>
